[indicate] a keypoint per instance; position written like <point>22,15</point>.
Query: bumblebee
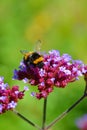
<point>33,58</point>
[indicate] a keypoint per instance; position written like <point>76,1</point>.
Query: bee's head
<point>26,53</point>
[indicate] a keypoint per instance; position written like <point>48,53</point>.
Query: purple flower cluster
<point>82,123</point>
<point>57,71</point>
<point>9,96</point>
<point>85,73</point>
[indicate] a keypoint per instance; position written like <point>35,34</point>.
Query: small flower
<point>57,71</point>
<point>54,53</point>
<point>82,123</point>
<point>12,105</point>
<point>9,96</point>
<point>67,57</point>
<point>25,80</point>
<point>1,79</point>
<point>33,94</point>
<point>1,108</point>
<point>26,88</point>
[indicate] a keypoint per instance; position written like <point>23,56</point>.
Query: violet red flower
<point>82,122</point>
<point>9,96</point>
<point>56,71</point>
<point>85,73</point>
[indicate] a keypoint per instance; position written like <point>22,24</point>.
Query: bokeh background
<point>59,24</point>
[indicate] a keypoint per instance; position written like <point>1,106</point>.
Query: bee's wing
<point>37,47</point>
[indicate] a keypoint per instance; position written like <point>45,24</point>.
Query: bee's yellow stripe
<point>38,60</point>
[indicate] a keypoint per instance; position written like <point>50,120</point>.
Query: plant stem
<point>44,113</point>
<point>25,119</point>
<point>66,112</point>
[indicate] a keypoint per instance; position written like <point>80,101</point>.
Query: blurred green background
<point>59,24</point>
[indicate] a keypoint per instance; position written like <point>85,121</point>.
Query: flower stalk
<point>44,113</point>
<point>25,119</point>
<point>68,110</point>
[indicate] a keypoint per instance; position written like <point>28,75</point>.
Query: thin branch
<point>65,113</point>
<point>25,119</point>
<point>44,113</point>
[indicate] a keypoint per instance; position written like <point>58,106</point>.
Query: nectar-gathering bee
<point>33,58</point>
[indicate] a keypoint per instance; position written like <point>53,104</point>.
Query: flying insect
<point>32,58</point>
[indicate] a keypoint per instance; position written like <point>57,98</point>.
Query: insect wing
<point>37,47</point>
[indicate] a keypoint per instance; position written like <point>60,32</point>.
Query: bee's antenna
<point>23,52</point>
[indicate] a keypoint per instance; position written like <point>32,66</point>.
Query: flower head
<point>9,96</point>
<point>85,73</point>
<point>56,71</point>
<point>82,123</point>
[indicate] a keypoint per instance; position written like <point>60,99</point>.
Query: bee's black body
<point>33,58</point>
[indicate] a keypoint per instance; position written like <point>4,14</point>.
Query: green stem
<point>66,112</point>
<point>25,119</point>
<point>44,113</point>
